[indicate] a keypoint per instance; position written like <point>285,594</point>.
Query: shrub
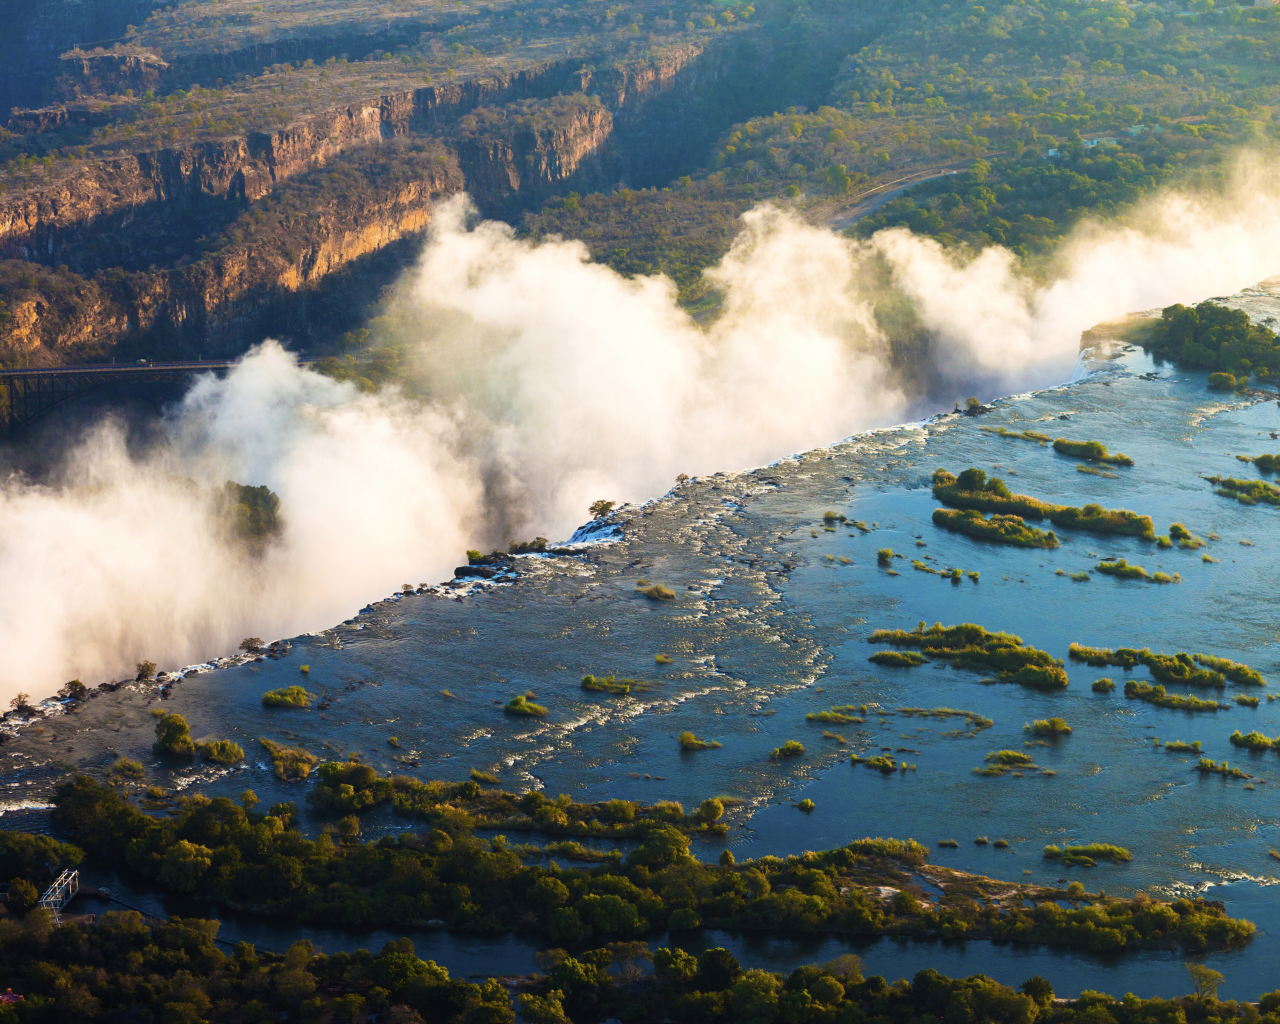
<point>658,592</point>
<point>1003,529</point>
<point>710,810</point>
<point>1179,746</point>
<point>1049,727</point>
<point>173,736</point>
<point>1123,570</point>
<point>1251,740</point>
<point>1222,381</point>
<point>1103,685</point>
<point>486,777</point>
<point>606,684</point>
<point>789,749</point>
<point>885,556</point>
<point>289,762</point>
<point>1093,451</point>
<point>221,751</point>
<point>1136,690</point>
<point>521,705</point>
<point>807,806</point>
<point>1013,758</point>
<point>287,697</point>
<point>22,898</point>
<point>897,659</point>
<point>1090,851</point>
<point>969,646</point>
<point>688,741</point>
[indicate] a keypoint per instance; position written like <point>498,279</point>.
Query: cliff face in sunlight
<point>127,216</point>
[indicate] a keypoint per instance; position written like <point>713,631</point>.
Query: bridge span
<point>26,395</point>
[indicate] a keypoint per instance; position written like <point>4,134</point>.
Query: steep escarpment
<point>273,270</point>
<point>33,223</point>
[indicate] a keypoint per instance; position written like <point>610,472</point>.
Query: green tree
<point>717,969</point>
<point>674,965</point>
<point>1039,989</point>
<point>184,866</point>
<point>1205,979</point>
<point>711,810</point>
<point>146,670</point>
<point>22,897</point>
<point>173,736</point>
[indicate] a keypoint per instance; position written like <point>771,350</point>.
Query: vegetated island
<point>1121,569</point>
<point>1003,529</point>
<point>1019,435</point>
<point>1212,337</point>
<point>287,697</point>
<point>281,872</point>
<point>972,490</point>
<point>1246,492</point>
<point>1265,463</point>
<point>898,659</point>
<point>688,741</point>
<point>521,704</point>
<point>969,646</point>
<point>1088,855</point>
<point>1090,451</point>
<point>1171,668</point>
<point>1135,689</point>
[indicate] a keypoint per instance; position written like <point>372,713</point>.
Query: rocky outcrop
<point>99,72</point>
<point>514,158</point>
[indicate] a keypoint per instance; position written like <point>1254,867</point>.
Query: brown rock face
<point>88,73</point>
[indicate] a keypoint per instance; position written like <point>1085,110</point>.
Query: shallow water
<point>766,628</point>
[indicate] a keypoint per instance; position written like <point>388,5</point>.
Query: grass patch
<point>289,762</point>
<point>1156,695</point>
<point>522,705</point>
<point>657,592</point>
<point>607,684</point>
<point>1049,727</point>
<point>1001,529</point>
<point>789,749</point>
<point>836,716</point>
<point>1122,570</point>
<point>975,721</point>
<point>1095,471</point>
<point>897,659</point>
<point>1170,668</point>
<point>488,778</point>
<point>1207,766</point>
<point>1246,492</point>
<point>1011,758</point>
<point>221,751</point>
<point>972,490</point>
<point>688,741</point>
<point>287,697</point>
<point>1088,855</point>
<point>969,646</point>
<point>1252,740</point>
<point>1181,747</point>
<point>1018,435</point>
<point>1090,451</point>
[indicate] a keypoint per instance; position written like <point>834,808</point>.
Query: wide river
<point>770,622</point>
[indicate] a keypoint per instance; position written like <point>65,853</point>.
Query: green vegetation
<point>1136,690</point>
<point>1088,855</point>
<point>975,721</point>
<point>791,748</point>
<point>289,762</point>
<point>1265,463</point>
<point>1179,747</point>
<point>251,514</point>
<point>522,705</point>
<point>969,646</point>
<point>972,490</point>
<point>1004,529</point>
<point>1176,668</point>
<point>486,778</point>
<point>1211,337</point>
<point>1207,766</point>
<point>173,736</point>
<point>836,716</point>
<point>1252,740</point>
<point>1122,569</point>
<point>661,659</point>
<point>1049,727</point>
<point>688,741</point>
<point>657,592</point>
<point>221,751</point>
<point>1246,701</point>
<point>897,659</point>
<point>1091,451</point>
<point>1246,492</point>
<point>341,882</point>
<point>884,763</point>
<point>1103,685</point>
<point>1012,758</point>
<point>607,684</point>
<point>885,556</point>
<point>287,697</point>
<point>1021,435</point>
<point>807,806</point>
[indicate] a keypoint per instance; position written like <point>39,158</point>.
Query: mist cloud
<point>552,381</point>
